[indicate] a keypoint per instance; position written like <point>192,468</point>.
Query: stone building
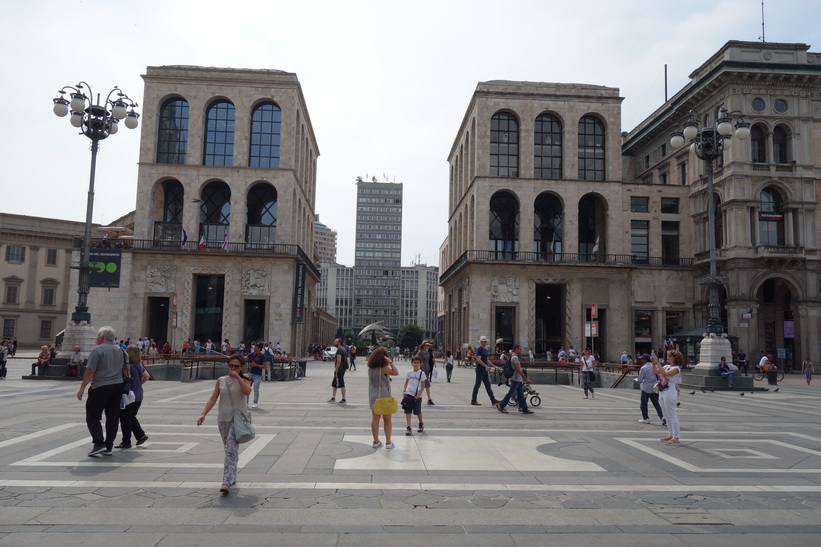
<point>35,257</point>
<point>324,242</point>
<point>556,217</point>
<point>224,221</point>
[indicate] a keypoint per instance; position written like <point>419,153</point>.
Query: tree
<point>410,336</point>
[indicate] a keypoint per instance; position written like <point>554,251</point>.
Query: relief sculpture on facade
<point>256,282</point>
<point>505,289</point>
<point>160,279</point>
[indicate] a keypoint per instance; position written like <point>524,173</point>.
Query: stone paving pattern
<point>577,472</point>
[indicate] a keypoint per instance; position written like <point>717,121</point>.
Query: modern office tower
<point>419,294</point>
<point>325,243</point>
<point>335,295</point>
<point>378,255</point>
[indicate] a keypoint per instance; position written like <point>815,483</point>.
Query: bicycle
<point>762,374</point>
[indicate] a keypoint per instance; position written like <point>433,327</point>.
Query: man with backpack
<point>518,379</point>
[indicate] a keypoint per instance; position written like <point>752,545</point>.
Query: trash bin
<point>303,364</point>
<point>772,377</point>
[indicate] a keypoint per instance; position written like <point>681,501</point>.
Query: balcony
<point>565,259</point>
<point>780,250</point>
<point>278,250</point>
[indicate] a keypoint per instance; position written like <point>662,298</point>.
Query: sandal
<point>225,488</point>
<point>667,438</point>
<point>502,410</point>
<point>672,441</point>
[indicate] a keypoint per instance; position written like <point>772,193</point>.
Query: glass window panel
<point>172,136</point>
<point>219,134</point>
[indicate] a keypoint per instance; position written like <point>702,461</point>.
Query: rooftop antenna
<point>762,23</point>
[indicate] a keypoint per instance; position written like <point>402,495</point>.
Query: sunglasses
<point>234,366</point>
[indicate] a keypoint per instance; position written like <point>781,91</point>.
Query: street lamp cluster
<point>97,120</point>
<point>708,144</point>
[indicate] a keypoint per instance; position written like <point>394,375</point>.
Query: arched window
<point>265,133</point>
<point>781,153</point>
<point>219,135</point>
<point>758,144</point>
<point>170,227</point>
<point>547,149</point>
<point>215,213</point>
<point>770,218</point>
<point>172,136</point>
<point>261,223</point>
<point>591,229</point>
<point>504,145</point>
<point>504,226</point>
<point>547,227</point>
<point>591,148</point>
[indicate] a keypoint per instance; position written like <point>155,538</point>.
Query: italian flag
<point>203,241</point>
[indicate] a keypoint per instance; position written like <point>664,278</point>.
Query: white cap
<point>483,338</point>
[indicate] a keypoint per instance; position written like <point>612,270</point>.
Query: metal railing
<point>598,259</point>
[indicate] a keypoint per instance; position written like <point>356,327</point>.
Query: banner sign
<point>104,268</point>
<point>299,293</point>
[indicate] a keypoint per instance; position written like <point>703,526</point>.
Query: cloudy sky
<point>386,83</point>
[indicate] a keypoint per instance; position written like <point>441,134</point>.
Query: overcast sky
<point>386,83</point>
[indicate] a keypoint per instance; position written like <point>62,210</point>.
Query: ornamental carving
<point>160,279</point>
<point>505,289</point>
<point>256,282</point>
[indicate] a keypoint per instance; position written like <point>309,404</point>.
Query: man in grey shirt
<point>517,384</point>
<point>105,369</point>
<point>647,379</point>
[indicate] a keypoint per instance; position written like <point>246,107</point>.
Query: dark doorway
<point>549,318</point>
<point>208,308</point>
<point>157,319</point>
<point>505,327</point>
<point>597,344</point>
<point>254,325</point>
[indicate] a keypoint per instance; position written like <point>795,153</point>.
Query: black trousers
<point>104,399</point>
<point>130,424</point>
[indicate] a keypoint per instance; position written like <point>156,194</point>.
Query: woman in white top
<point>586,365</point>
<point>671,372</point>
<point>231,390</point>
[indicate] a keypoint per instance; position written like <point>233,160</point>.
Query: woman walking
<point>380,367</point>
<point>586,366</point>
<point>668,392</point>
<point>449,365</point>
<point>231,391</point>
<point>128,416</point>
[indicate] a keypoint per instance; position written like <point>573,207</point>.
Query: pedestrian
<point>41,363</point>
<point>75,363</point>
<point>530,355</point>
<point>128,416</point>
<point>724,370</point>
<point>586,372</point>
<point>668,393</point>
<point>379,367</point>
<point>209,347</point>
<point>424,352</point>
<point>353,357</point>
<point>106,367</point>
<point>807,369</point>
<point>256,360</point>
<point>340,366</point>
<point>414,385</point>
<point>448,365</point>
<point>225,347</point>
<point>483,366</point>
<point>517,384</point>
<point>742,361</point>
<point>232,391</point>
<point>458,357</point>
<point>4,357</point>
<point>646,380</point>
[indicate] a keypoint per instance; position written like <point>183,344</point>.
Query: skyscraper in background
<point>378,255</point>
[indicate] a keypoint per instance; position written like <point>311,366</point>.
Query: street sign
<point>594,312</point>
<point>594,328</point>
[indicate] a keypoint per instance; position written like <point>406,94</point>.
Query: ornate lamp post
<point>96,120</point>
<point>708,143</point>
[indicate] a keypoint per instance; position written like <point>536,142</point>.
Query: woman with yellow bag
<point>382,404</point>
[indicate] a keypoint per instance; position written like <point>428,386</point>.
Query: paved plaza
<point>577,472</point>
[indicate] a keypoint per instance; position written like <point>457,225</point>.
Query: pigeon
<point>693,392</point>
<point>776,390</point>
<point>741,394</point>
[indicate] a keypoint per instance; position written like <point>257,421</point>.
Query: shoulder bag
<point>243,426</point>
<point>384,405</point>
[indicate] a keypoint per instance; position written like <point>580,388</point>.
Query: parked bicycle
<point>762,374</point>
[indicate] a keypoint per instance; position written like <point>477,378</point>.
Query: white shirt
<point>414,379</point>
<point>763,361</point>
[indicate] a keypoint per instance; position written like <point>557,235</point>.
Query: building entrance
<point>549,318</point>
<point>208,308</point>
<point>157,319</point>
<point>254,322</point>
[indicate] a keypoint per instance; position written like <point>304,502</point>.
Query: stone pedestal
<point>705,374</point>
<point>713,348</point>
<point>83,335</point>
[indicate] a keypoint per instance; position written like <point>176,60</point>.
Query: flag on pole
<point>184,238</point>
<point>552,249</point>
<point>596,246</point>
<point>203,241</point>
<point>225,240</point>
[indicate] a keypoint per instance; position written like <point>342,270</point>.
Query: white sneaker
<point>254,405</point>
<point>644,421</point>
<point>389,446</point>
<point>377,444</point>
